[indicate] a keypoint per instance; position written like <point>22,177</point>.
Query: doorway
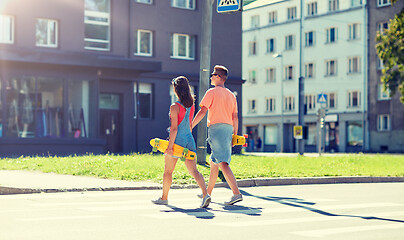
<point>111,121</point>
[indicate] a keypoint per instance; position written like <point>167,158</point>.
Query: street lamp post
<point>280,55</point>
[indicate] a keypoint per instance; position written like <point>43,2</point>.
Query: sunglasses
<point>214,74</point>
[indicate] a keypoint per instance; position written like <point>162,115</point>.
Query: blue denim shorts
<point>219,139</point>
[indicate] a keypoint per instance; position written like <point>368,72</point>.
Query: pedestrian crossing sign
<point>322,98</point>
<point>224,6</point>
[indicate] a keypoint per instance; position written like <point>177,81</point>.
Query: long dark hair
<point>183,91</point>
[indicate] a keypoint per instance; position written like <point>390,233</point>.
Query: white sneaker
<point>234,199</point>
<point>160,201</point>
<point>205,201</point>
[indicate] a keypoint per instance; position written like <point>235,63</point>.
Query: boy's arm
<point>199,116</point>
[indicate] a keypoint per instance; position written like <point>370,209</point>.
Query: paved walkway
<point>19,182</point>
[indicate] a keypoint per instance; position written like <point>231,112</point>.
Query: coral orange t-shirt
<point>221,104</point>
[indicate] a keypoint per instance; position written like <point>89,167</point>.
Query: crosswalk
<point>294,215</point>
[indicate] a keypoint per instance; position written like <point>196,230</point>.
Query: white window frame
<point>354,64</point>
<point>252,106</point>
<point>355,3</point>
<point>50,23</point>
<point>270,103</point>
<point>382,26</point>
<point>310,70</point>
<point>252,76</point>
<point>307,38</point>
<point>189,4</point>
<point>291,13</point>
<point>354,31</point>
<point>329,98</point>
<point>351,95</point>
<point>6,29</point>
<point>382,95</point>
<point>272,17</point>
<point>312,9</point>
<point>290,42</point>
<point>331,67</point>
<point>269,45</point>
<point>383,122</point>
<point>271,75</point>
<point>145,1</point>
<point>289,73</point>
<point>255,21</point>
<point>96,15</point>
<point>329,31</point>
<point>138,43</point>
<point>333,5</point>
<point>310,102</point>
<point>383,3</point>
<point>189,48</point>
<point>289,104</point>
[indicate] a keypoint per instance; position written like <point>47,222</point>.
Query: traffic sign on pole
<point>225,6</point>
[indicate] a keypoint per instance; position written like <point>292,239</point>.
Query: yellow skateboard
<point>239,140</point>
<point>181,152</point>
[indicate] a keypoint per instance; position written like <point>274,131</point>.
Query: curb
<point>257,182</point>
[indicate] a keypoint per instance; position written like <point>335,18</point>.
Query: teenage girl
<point>181,114</point>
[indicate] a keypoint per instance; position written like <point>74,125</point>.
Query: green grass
<point>140,167</point>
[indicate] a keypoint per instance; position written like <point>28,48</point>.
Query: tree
<point>390,48</point>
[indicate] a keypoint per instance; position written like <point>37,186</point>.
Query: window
<point>271,45</point>
<point>271,75</point>
<point>289,42</point>
<point>331,35</point>
<point>97,25</point>
<point>354,65</point>
<point>331,67</point>
<point>291,13</point>
<point>46,33</point>
<point>309,39</point>
<point>271,134</point>
<point>355,3</point>
<point>382,26</point>
<point>145,1</point>
<point>383,122</point>
<point>252,108</point>
<point>354,99</point>
<point>379,63</point>
<point>289,73</point>
<point>354,133</point>
<point>252,48</point>
<point>310,102</point>
<point>270,105</point>
<point>255,21</point>
<point>382,3</point>
<point>312,134</point>
<point>289,104</point>
<point>383,94</point>
<point>312,9</point>
<point>143,100</point>
<point>332,101</point>
<point>252,76</point>
<point>186,4</point>
<point>272,17</point>
<point>183,46</point>
<point>309,70</point>
<point>333,5</point>
<point>144,43</point>
<point>6,29</point>
<point>353,31</point>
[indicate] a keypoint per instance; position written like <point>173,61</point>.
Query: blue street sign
<point>224,6</point>
<point>322,98</point>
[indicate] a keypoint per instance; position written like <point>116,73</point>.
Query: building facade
<point>386,114</point>
<point>94,76</point>
<point>334,65</point>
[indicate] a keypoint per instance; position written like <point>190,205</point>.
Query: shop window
<point>312,134</point>
<point>80,116</point>
<point>355,133</point>
<point>143,100</point>
<point>97,25</point>
<point>271,134</point>
<point>6,29</point>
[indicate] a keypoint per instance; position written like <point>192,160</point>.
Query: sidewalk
<point>22,182</point>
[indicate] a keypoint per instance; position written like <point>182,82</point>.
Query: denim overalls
<point>184,136</point>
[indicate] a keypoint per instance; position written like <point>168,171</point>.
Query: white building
<point>333,63</point>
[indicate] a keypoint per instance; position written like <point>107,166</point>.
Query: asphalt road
<point>332,211</point>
